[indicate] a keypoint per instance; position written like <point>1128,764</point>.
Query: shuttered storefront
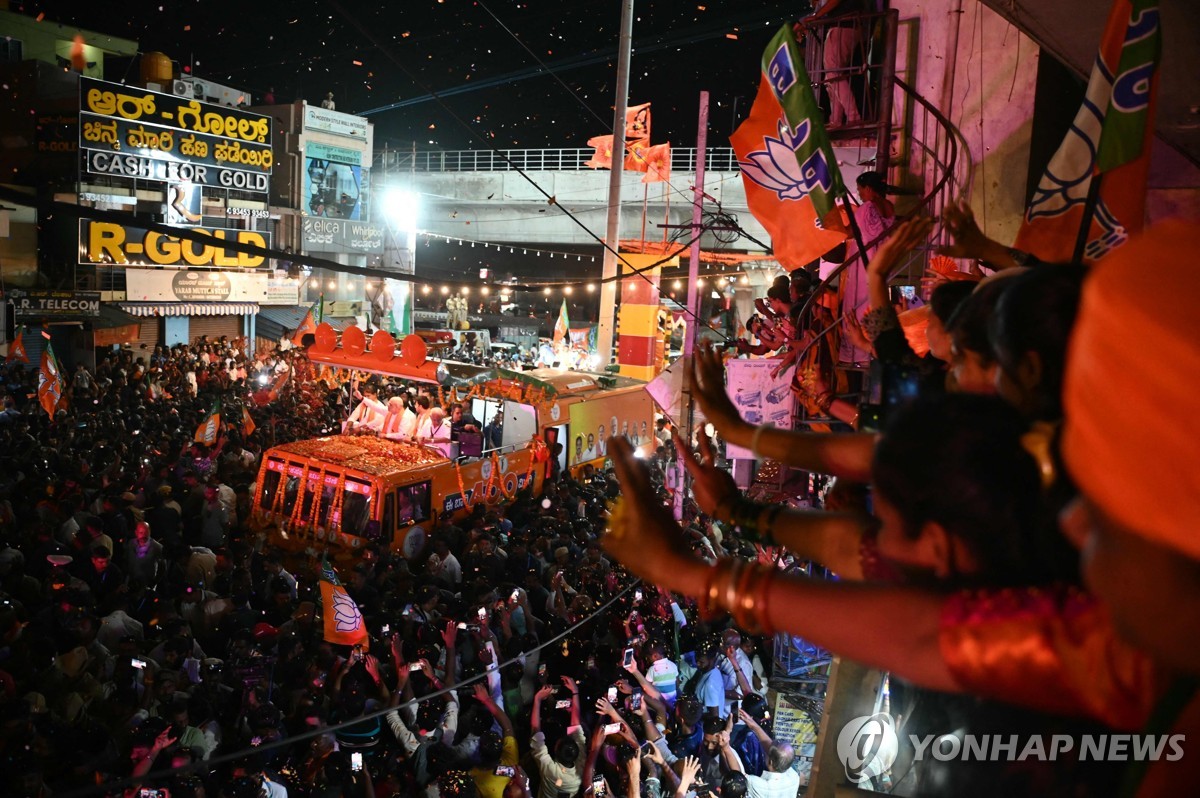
<point>150,335</point>
<point>214,327</point>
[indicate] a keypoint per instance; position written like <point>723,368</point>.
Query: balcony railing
<point>683,160</point>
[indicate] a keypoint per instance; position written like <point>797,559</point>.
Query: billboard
<point>142,168</point>
<point>594,421</point>
<point>759,397</point>
<point>132,121</point>
<point>335,190</point>
<point>183,285</point>
<point>106,244</point>
<point>319,119</point>
<point>330,152</point>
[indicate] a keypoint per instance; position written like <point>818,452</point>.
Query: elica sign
<point>106,244</point>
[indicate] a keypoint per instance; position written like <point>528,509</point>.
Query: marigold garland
<point>467,503</point>
<point>314,511</point>
<point>335,509</point>
<point>294,518</point>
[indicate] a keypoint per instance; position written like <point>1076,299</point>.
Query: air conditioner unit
<point>199,89</point>
<point>182,88</point>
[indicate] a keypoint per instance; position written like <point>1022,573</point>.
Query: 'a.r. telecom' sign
<point>54,305</point>
<point>107,244</point>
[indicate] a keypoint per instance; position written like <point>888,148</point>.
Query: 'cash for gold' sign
<point>134,121</point>
<point>106,244</point>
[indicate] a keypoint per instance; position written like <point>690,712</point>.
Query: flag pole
<point>608,287</point>
<point>1089,213</point>
<point>645,202</point>
<point>693,302</point>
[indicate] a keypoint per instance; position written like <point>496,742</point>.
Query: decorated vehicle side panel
<point>342,509</point>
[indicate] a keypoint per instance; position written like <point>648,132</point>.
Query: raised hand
<point>372,666</point>
<point>711,486</point>
<point>969,240</point>
<point>903,239</point>
<point>658,552</point>
<point>708,389</point>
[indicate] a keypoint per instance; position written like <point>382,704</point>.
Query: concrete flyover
<point>483,195</point>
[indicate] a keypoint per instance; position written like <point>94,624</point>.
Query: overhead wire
<point>550,198</point>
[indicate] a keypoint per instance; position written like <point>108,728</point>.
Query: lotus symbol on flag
<point>347,618</point>
<point>777,169</point>
<point>1069,175</point>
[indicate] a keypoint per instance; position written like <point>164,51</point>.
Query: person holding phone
<point>561,770</point>
<point>497,752</point>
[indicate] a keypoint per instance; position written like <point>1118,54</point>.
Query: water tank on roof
<point>156,68</point>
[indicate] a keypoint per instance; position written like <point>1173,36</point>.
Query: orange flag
<point>1111,136</point>
<point>248,425</point>
<point>636,153</point>
<point>50,385</point>
<point>277,385</point>
<point>344,624</point>
<point>658,163</point>
<point>16,347</point>
<point>208,429</point>
<point>602,158</point>
<point>637,122</point>
<point>787,163</point>
<point>308,325</point>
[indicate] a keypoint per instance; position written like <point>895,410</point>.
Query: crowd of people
<point>151,640</point>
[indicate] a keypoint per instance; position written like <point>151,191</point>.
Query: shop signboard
<point>108,244</point>
<point>283,291</point>
<point>187,285</point>
<point>323,120</point>
<point>127,122</point>
<point>39,305</point>
<point>343,236</point>
<point>330,152</point>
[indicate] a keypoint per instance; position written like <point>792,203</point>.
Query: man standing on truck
<point>369,415</point>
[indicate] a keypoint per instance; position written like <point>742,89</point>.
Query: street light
<point>402,208</point>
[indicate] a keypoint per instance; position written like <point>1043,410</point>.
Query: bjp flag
<point>344,624</point>
<point>658,163</point>
<point>307,325</point>
<point>207,432</point>
<point>1110,136</point>
<point>50,384</point>
<point>248,425</point>
<point>602,158</point>
<point>562,327</point>
<point>787,164</point>
<point>16,348</point>
<point>637,122</point>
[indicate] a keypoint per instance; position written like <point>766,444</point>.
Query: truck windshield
<point>354,511</point>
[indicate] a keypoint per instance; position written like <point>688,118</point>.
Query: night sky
<point>371,55</point>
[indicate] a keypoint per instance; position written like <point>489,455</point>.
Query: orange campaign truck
<point>359,488</point>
